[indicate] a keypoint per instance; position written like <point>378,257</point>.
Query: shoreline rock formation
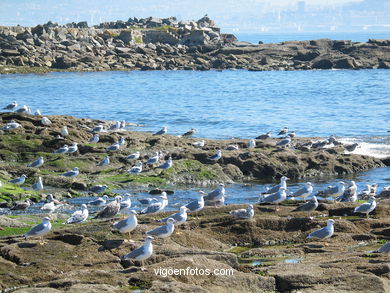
<point>168,44</point>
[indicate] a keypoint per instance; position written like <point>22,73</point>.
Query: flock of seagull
<point>274,195</point>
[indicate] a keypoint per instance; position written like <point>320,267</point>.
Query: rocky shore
<point>269,253</point>
<point>168,44</point>
<point>267,162</point>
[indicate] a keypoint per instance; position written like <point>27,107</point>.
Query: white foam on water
<point>379,149</point>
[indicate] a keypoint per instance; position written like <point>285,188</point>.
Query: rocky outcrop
<point>167,44</point>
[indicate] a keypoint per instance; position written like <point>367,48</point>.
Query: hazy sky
<point>228,14</point>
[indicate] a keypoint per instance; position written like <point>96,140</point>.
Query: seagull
<point>333,191</point>
<point>99,202</point>
<point>162,131</point>
<point>114,147</point>
<point>18,181</point>
<point>309,206</point>
<point>350,194</point>
<point>122,141</point>
<point>40,230</point>
<point>11,106</point>
<point>352,147</point>
<point>37,163</point>
<point>232,147</point>
<point>64,131</point>
<point>247,213</point>
<point>217,196</point>
<point>303,192</point>
<point>292,134</point>
<point>167,164</point>
<point>133,156</point>
<point>284,142</point>
<point>104,162</point>
<point>62,150</point>
<point>49,207</point>
<point>284,131</point>
<point>199,144</point>
<point>148,200</point>
<point>23,109</point>
<point>11,125</point>
<point>216,156</point>
<point>115,126</point>
<point>72,173</point>
<point>385,248</point>
<point>157,207</point>
<point>46,121</point>
<point>274,198</point>
<point>94,138</point>
<point>141,253</point>
<point>265,135</point>
<point>325,232</point>
<point>73,148</point>
<point>126,202</point>
<point>251,144</point>
<point>22,205</point>
<point>98,188</point>
<point>98,128</point>
<point>38,112</point>
<point>189,133</point>
<point>154,159</point>
<point>365,193</point>
<point>110,210</point>
<point>163,231</point>
<point>38,185</point>
<point>367,207</point>
<point>79,216</point>
<point>196,205</point>
<point>282,183</point>
<point>127,225</point>
<point>136,169</point>
<point>180,217</point>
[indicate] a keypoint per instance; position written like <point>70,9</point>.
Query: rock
<point>10,52</point>
<point>322,64</point>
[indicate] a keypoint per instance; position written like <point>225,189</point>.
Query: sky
<point>230,15</point>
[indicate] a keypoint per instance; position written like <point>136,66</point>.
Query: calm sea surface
<point>219,104</point>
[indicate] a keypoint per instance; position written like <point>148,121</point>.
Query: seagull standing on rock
<point>11,106</point>
<point>265,135</point>
<point>180,217</point>
<point>110,210</point>
<point>216,156</point>
<point>38,185</point>
<point>37,163</point>
<point>62,150</point>
<point>285,142</point>
<point>199,144</point>
<point>303,192</point>
<point>11,125</point>
<point>73,148</point>
<point>251,144</point>
<point>104,162</point>
<point>284,131</point>
<point>153,160</point>
<point>40,230</point>
<point>333,191</point>
<point>79,216</point>
<point>98,188</point>
<point>46,121</point>
<point>282,183</point>
<point>247,213</point>
<point>64,131</point>
<point>157,207</point>
<point>141,253</point>
<point>94,138</point>
<point>196,205</point>
<point>137,169</point>
<point>163,231</point>
<point>309,206</point>
<point>274,198</point>
<point>18,181</point>
<point>166,165</point>
<point>189,133</point>
<point>72,173</point>
<point>367,207</point>
<point>350,194</point>
<point>99,202</point>
<point>164,130</point>
<point>325,232</point>
<point>133,156</point>
<point>114,147</point>
<point>127,225</point>
<point>126,202</point>
<point>216,197</point>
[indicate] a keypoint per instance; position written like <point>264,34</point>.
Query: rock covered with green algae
<point>266,162</point>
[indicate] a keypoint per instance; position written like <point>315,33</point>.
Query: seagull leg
<point>277,208</point>
<point>131,241</point>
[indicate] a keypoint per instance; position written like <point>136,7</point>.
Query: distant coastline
<point>169,44</point>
